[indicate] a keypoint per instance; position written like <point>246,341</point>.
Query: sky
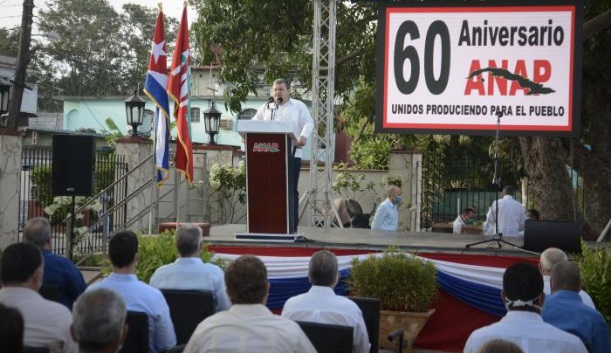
<point>10,16</point>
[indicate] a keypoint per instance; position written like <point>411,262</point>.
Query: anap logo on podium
<point>265,147</point>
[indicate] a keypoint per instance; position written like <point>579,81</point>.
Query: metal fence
<point>450,187</point>
<point>36,199</point>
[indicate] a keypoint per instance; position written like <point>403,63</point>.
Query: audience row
<point>565,321</point>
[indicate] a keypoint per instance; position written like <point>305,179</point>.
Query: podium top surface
<point>266,127</point>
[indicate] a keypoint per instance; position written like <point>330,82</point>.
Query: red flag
<point>178,90</point>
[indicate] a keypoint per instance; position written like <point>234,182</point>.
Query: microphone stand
<point>498,236</point>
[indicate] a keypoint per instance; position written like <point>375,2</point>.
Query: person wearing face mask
<point>282,108</point>
<point>523,296</point>
<point>387,217</point>
<point>467,216</point>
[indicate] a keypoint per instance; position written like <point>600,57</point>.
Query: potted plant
<point>406,286</point>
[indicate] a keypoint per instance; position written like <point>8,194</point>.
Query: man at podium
<point>282,108</point>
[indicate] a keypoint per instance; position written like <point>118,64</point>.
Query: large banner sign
<point>455,69</point>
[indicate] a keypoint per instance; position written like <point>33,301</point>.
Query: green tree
<point>258,41</point>
<point>590,154</point>
<point>9,41</point>
<point>99,51</point>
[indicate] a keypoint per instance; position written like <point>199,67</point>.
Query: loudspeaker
<point>73,165</point>
<point>565,235</point>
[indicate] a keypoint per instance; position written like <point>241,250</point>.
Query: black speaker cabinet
<point>73,165</point>
<point>565,235</point>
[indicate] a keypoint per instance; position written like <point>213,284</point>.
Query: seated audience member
<point>547,260</point>
<point>98,324</point>
<point>11,330</point>
<point>248,326</point>
<point>500,346</point>
<point>321,304</point>
<point>46,323</point>
<point>59,271</point>
<point>523,325</point>
<point>387,216</point>
<point>189,271</point>
<point>533,214</point>
<point>565,310</point>
<point>467,216</point>
<point>138,296</point>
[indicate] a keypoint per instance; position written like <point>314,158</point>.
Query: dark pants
<point>296,170</point>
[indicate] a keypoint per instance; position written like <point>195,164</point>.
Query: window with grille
<point>195,116</point>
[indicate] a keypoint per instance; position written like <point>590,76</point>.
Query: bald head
<point>565,276</point>
<point>393,190</point>
<point>549,258</point>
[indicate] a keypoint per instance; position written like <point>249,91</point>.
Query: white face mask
<point>521,303</point>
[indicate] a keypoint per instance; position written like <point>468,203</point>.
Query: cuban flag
<point>155,88</point>
<point>178,90</point>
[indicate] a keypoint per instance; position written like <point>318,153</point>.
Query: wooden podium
<point>269,165</point>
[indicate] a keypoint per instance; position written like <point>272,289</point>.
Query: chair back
<point>188,308</point>
<point>137,340</point>
<point>27,349</point>
<point>50,292</point>
<point>371,315</point>
<point>328,338</point>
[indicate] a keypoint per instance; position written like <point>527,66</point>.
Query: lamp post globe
<point>134,111</point>
<point>212,118</point>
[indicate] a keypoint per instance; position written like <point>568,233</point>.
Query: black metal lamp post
<point>5,89</point>
<point>212,119</point>
<point>134,109</point>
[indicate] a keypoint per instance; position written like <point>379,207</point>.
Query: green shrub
<point>595,268</point>
<point>401,281</point>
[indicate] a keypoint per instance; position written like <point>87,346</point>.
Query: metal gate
<point>450,186</point>
<point>36,199</point>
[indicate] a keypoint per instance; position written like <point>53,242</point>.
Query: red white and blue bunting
<point>470,287</point>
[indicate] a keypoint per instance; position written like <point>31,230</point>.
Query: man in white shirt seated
<point>189,272</point>
<point>322,305</point>
<point>547,260</point>
<point>99,321</point>
<point>46,323</point>
<point>467,216</point>
<point>523,296</point>
<point>248,326</point>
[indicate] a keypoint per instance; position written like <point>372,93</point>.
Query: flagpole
<point>155,188</point>
<point>177,192</point>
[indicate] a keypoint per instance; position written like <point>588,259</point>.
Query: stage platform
<point>366,239</point>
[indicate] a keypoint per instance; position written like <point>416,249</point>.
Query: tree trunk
<point>545,159</point>
<point>551,184</point>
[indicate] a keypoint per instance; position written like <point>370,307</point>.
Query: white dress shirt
<point>585,297</point>
<point>322,305</point>
<point>512,216</point>
<point>529,331</point>
<point>191,273</point>
<point>139,296</point>
<point>248,329</point>
<point>293,112</point>
<point>457,225</point>
<point>46,323</point>
<point>386,217</point>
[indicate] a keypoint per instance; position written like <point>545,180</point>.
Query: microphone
<point>279,101</point>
